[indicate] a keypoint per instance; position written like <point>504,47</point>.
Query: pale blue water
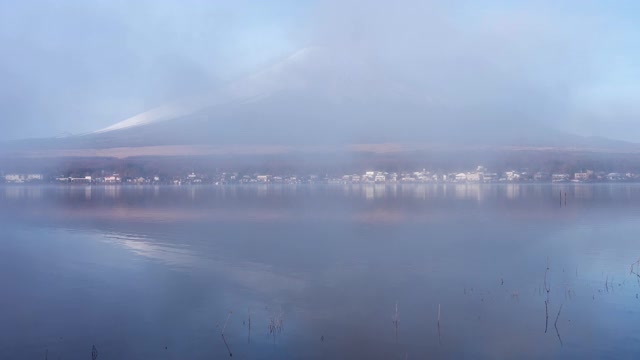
<point>133,270</point>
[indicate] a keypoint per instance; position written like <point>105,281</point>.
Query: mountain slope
<point>319,99</point>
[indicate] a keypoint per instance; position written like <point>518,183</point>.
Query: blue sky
<point>77,66</point>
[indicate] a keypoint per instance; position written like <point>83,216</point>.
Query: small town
<point>478,175</point>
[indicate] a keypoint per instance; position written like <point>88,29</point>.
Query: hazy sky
<point>77,66</point>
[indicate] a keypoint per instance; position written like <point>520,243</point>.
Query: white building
<point>490,177</point>
<point>461,177</point>
<point>559,177</point>
<point>369,176</point>
<point>615,177</point>
<point>475,177</point>
<point>115,178</point>
<point>581,176</point>
<point>86,180</point>
<point>21,178</point>
<point>14,178</point>
<point>512,176</point>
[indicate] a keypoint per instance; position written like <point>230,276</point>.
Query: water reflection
<point>583,192</point>
<point>369,192</point>
<point>13,192</point>
<point>245,273</point>
<point>269,203</point>
<point>112,191</point>
<point>512,191</point>
<point>161,266</point>
<point>262,190</point>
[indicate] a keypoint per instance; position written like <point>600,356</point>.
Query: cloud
<point>500,62</point>
<point>78,66</point>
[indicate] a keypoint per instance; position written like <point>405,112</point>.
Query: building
<point>615,177</point>
<point>490,177</point>
<point>369,176</point>
<point>581,176</point>
<point>475,177</point>
<point>560,177</point>
<point>512,176</point>
<point>115,178</point>
<point>21,178</point>
<point>461,177</point>
<point>80,180</point>
<point>14,178</point>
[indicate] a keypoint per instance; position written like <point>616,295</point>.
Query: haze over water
<point>153,272</point>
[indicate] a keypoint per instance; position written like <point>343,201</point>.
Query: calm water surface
<point>160,272</point>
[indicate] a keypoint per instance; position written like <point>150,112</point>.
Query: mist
<point>452,67</point>
<point>315,179</point>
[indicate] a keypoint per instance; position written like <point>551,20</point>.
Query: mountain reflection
<point>265,203</point>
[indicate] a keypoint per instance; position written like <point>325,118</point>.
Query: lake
<point>320,272</point>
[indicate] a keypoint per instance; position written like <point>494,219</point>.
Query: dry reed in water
<point>396,320</point>
<point>547,287</point>
<point>439,335</point>
<point>276,325</point>
<point>225,323</point>
<point>546,311</point>
<point>555,324</point>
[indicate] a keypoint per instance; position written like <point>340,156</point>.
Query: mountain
<point>319,100</point>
